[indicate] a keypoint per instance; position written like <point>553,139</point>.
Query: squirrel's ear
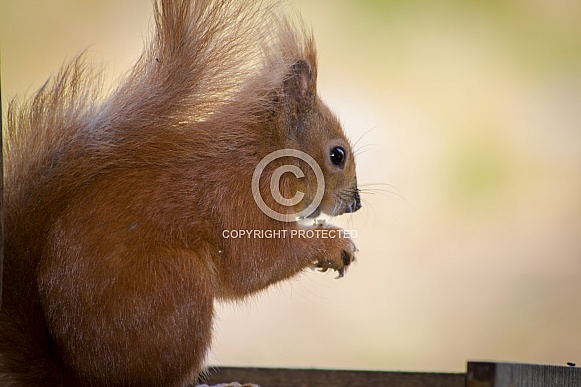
<point>300,85</point>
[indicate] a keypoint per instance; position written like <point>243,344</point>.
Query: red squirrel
<point>120,209</point>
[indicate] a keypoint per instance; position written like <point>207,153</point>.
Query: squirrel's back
<point>208,61</point>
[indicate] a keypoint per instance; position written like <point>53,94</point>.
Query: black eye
<point>337,156</point>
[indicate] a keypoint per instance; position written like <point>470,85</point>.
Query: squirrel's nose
<point>356,200</point>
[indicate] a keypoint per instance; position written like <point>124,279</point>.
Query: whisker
<point>360,151</point>
<point>369,211</point>
<point>350,192</point>
<point>380,184</point>
<point>363,135</point>
<point>387,193</point>
<point>350,221</point>
<point>357,149</point>
<point>338,202</point>
<point>382,192</point>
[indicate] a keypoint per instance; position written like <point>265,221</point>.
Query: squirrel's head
<point>306,124</point>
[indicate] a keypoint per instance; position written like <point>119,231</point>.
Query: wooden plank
<point>1,210</point>
<point>272,377</point>
<point>492,374</point>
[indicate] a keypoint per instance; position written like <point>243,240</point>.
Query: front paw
<point>339,261</point>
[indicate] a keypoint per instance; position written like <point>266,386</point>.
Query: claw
<point>345,257</point>
<point>341,272</point>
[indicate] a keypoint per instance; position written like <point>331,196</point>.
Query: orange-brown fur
<point>115,206</point>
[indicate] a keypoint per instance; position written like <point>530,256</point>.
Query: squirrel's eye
<point>337,156</point>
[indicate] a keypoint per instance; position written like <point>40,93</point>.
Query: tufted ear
<point>299,87</point>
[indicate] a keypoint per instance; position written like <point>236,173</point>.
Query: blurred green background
<point>470,111</point>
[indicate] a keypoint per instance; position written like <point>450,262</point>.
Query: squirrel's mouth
<point>315,213</point>
<point>343,205</point>
<point>346,201</point>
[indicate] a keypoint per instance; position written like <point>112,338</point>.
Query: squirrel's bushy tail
<point>204,54</point>
<point>201,54</point>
